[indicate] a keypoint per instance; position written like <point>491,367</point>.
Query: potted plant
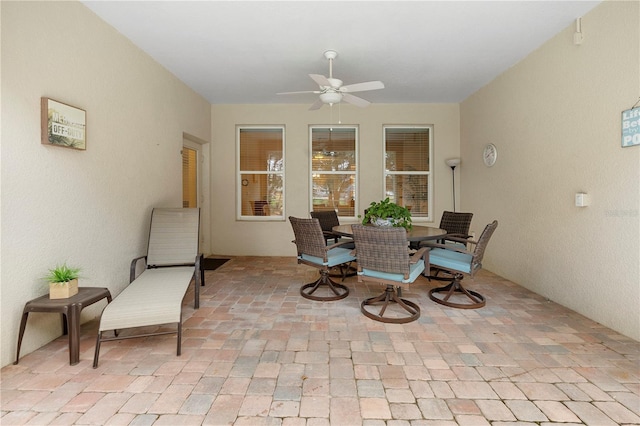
<point>63,282</point>
<point>386,213</point>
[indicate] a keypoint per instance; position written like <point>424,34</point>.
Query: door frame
<point>202,148</point>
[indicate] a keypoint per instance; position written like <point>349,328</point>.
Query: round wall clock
<point>489,155</point>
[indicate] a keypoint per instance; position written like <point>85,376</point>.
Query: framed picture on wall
<point>63,125</point>
<point>631,127</point>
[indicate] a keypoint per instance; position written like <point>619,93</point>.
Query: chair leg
<point>344,271</point>
<point>97,352</point>
<point>179,343</point>
<point>339,291</point>
<point>477,300</point>
<point>390,296</point>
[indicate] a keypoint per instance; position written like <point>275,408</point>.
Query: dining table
<point>416,234</point>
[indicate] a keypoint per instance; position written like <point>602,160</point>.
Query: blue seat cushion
<point>415,269</point>
<point>335,256</point>
<point>448,259</point>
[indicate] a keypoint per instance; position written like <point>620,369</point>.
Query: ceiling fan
<point>332,91</point>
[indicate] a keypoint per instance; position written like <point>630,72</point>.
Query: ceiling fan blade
<point>320,79</point>
<point>316,105</point>
<point>355,100</point>
<point>361,87</point>
<point>303,91</point>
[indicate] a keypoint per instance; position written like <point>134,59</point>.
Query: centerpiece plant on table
<point>63,281</point>
<point>387,213</point>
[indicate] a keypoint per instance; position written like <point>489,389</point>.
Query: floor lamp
<point>453,163</point>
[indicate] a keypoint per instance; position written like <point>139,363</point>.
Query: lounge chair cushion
<point>155,297</point>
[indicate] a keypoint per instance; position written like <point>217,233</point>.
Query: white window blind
<point>408,168</point>
<point>334,169</point>
<point>260,172</point>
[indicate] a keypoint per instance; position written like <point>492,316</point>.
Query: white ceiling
<point>234,52</point>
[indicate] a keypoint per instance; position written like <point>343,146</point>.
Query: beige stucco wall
<point>90,208</point>
<point>274,238</point>
<point>555,118</point>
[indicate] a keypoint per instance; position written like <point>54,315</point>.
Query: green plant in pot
<point>387,213</point>
<point>63,281</point>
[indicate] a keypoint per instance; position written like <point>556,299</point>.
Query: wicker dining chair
<point>457,261</point>
<point>328,219</point>
<point>383,258</point>
<point>456,223</point>
<point>314,251</point>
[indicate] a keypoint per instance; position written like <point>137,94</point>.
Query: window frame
<point>428,173</point>
<point>240,172</point>
<point>355,172</point>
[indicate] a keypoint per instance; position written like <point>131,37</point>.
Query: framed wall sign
<point>63,125</point>
<point>631,127</point>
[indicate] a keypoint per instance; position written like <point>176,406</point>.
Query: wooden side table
<point>70,309</point>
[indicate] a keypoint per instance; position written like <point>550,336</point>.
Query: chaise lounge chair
<point>154,296</point>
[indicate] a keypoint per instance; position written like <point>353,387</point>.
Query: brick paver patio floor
<point>257,353</point>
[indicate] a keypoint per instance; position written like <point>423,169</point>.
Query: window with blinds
<point>260,172</point>
<point>333,169</point>
<point>408,168</point>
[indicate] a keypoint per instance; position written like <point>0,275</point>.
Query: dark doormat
<point>210,263</point>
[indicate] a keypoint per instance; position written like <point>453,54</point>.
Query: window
<point>333,169</point>
<point>408,168</point>
<point>260,172</point>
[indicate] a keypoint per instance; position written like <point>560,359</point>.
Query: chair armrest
<point>329,234</point>
<point>457,237</point>
<point>338,244</point>
<point>418,255</point>
<point>134,268</point>
<point>450,247</point>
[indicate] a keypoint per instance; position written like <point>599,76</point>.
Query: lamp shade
<point>452,162</point>
<point>331,97</point>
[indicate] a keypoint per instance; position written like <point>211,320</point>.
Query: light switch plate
<point>582,199</point>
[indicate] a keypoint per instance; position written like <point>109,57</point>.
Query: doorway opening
<point>190,186</point>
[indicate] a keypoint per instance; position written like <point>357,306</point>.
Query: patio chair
<point>456,224</point>
<point>328,219</point>
<point>383,258</point>
<point>457,261</point>
<point>158,281</point>
<point>313,251</point>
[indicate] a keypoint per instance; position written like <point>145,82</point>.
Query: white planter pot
<point>383,222</point>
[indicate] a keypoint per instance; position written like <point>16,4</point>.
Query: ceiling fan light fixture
<point>333,92</point>
<point>331,97</point>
